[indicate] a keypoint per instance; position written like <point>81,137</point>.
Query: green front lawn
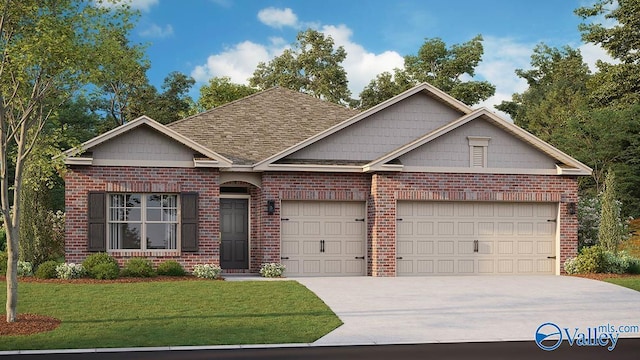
<point>631,282</point>
<point>172,313</point>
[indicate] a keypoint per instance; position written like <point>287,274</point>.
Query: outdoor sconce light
<point>271,207</point>
<point>571,207</point>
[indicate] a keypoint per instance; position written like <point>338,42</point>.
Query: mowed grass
<point>631,282</point>
<point>172,313</point>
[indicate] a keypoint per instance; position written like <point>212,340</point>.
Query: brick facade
<point>80,180</point>
<point>381,191</point>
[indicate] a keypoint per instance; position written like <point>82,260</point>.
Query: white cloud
<point>142,5</point>
<point>591,53</point>
<point>361,65</point>
<point>278,18</point>
<point>238,62</point>
<point>502,56</point>
<point>156,31</point>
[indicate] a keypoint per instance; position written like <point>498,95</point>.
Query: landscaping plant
<point>70,271</point>
<point>101,266</point>
<point>47,270</point>
<point>272,270</point>
<point>207,271</point>
<point>171,268</point>
<point>138,267</point>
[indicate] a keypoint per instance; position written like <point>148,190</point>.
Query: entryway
<point>234,229</point>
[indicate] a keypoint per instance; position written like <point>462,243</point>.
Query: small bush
<point>207,271</point>
<point>25,268</point>
<point>171,268</point>
<point>590,260</point>
<point>3,263</point>
<point>105,271</point>
<point>634,266</point>
<point>138,267</point>
<point>70,271</point>
<point>93,261</point>
<point>47,270</point>
<point>615,263</point>
<point>272,270</point>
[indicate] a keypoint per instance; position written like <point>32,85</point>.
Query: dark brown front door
<point>234,249</point>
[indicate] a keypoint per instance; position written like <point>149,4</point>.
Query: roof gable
<point>206,157</point>
<point>565,163</point>
<point>352,123</point>
<point>253,128</point>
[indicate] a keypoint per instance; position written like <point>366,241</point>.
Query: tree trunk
<point>12,273</point>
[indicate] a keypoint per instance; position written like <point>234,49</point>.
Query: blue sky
<point>206,38</point>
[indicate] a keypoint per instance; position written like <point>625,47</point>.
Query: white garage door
<point>323,238</point>
<point>457,238</point>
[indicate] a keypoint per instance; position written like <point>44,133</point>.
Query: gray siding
<point>383,131</point>
<point>452,150</point>
<point>143,144</point>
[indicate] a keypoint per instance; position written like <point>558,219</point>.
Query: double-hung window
<point>143,221</point>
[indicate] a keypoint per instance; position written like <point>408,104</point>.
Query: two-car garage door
<point>323,238</point>
<point>456,238</point>
<point>328,238</point>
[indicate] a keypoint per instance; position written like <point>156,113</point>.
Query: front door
<point>234,221</point>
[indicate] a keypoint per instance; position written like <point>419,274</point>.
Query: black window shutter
<point>189,221</point>
<point>97,221</point>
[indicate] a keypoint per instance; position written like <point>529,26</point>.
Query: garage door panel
<point>466,266</point>
<point>446,228</point>
<point>424,247</point>
<point>510,238</point>
<point>486,266</point>
<point>446,247</point>
<point>323,238</point>
<point>466,228</point>
<point>424,228</point>
<point>505,266</point>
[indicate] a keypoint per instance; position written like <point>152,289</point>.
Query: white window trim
<point>478,142</point>
<point>143,221</point>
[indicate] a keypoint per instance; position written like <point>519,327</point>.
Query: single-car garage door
<point>323,238</point>
<point>457,238</point>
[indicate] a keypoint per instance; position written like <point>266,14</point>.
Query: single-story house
<point>420,184</point>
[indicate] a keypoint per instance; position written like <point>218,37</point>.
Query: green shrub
<point>590,260</point>
<point>634,266</point>
<point>615,263</point>
<point>171,268</point>
<point>99,265</point>
<point>105,271</point>
<point>3,239</point>
<point>138,267</point>
<point>3,263</point>
<point>47,270</point>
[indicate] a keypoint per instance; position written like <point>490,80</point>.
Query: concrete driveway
<point>467,309</point>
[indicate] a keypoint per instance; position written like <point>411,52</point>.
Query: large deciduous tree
<point>615,84</point>
<point>312,65</point>
<point>220,90</point>
<point>443,67</point>
<point>49,50</point>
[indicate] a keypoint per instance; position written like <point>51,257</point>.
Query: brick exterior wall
<point>381,191</point>
<point>80,180</point>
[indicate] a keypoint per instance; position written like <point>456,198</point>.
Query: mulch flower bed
<point>28,324</point>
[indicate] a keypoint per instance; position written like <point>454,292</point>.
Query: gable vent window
<point>478,146</point>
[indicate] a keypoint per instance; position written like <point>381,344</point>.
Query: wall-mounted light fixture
<point>571,208</point>
<point>271,207</point>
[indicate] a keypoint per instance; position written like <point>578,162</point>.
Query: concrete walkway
<point>468,309</point>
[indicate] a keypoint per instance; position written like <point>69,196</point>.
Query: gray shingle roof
<point>258,126</point>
